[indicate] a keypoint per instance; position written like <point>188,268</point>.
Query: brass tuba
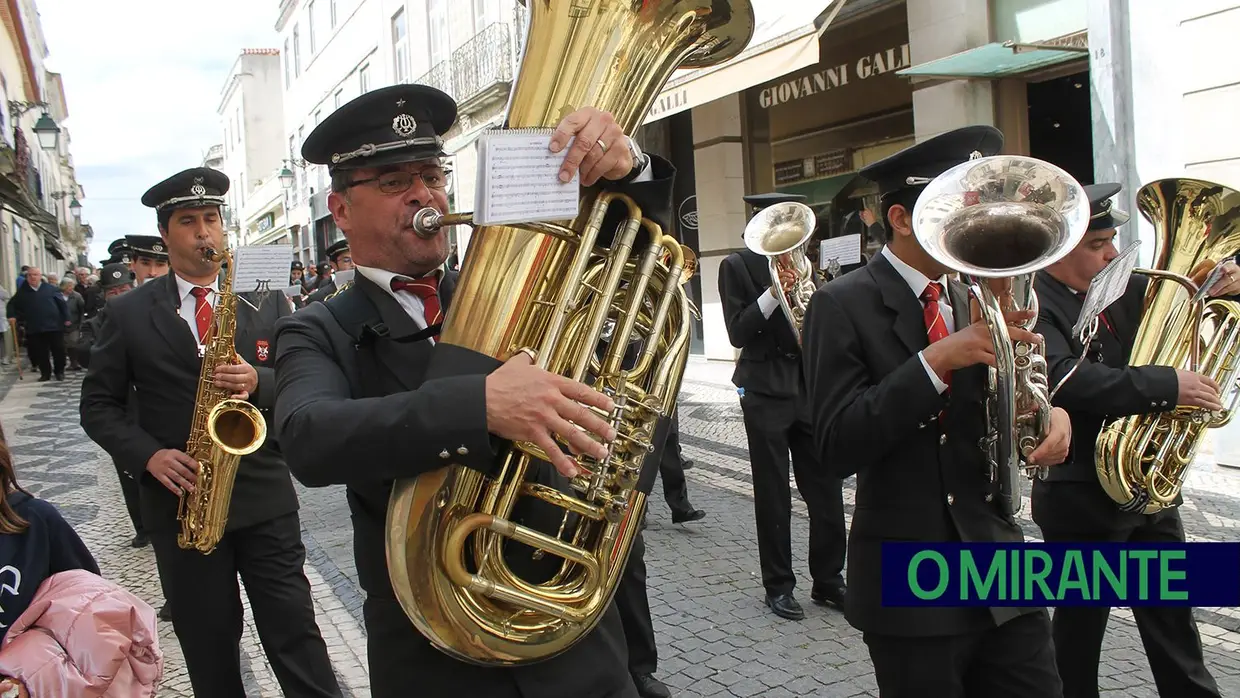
<point>1142,459</point>
<point>555,288</point>
<point>997,221</point>
<point>224,428</point>
<point>780,233</point>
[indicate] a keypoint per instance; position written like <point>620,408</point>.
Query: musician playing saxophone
<point>354,405</point>
<point>152,340</point>
<point>1070,505</point>
<point>897,381</point>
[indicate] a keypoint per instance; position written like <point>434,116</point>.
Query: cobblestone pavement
<point>715,636</point>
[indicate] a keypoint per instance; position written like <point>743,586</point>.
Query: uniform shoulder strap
<point>356,315</point>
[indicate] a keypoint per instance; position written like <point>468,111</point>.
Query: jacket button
<point>462,451</point>
<point>921,426</point>
<point>951,499</point>
<point>990,497</point>
<point>444,454</point>
<point>942,439</point>
<point>1164,403</point>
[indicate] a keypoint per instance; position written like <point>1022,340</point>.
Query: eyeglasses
<point>399,182</point>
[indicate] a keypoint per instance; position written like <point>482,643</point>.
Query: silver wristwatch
<point>640,160</point>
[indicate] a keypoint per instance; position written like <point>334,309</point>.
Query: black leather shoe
<point>60,376</point>
<point>785,606</point>
<point>829,595</point>
<point>140,541</point>
<point>688,515</point>
<point>44,379</point>
<point>165,613</point>
<point>686,464</point>
<point>650,687</point>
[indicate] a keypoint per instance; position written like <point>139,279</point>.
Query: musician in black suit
<point>148,255</point>
<point>152,339</point>
<point>777,422</point>
<point>1070,505</point>
<point>881,346</point>
<point>366,365</point>
<point>341,260</point>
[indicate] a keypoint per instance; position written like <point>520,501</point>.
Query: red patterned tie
<point>936,326</point>
<point>203,313</point>
<point>426,288</point>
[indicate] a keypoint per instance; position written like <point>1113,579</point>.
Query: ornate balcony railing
<point>440,77</point>
<point>483,63</point>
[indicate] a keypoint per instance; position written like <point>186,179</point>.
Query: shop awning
<point>785,39</point>
<point>998,60</point>
<point>819,191</point>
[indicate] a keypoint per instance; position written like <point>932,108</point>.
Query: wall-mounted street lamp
<point>286,178</point>
<point>45,129</point>
<point>75,207</point>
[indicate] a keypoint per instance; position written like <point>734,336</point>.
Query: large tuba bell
<point>781,233</point>
<point>456,541</point>
<point>997,221</point>
<point>1142,459</point>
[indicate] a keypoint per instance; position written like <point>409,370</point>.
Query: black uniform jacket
<point>769,363</point>
<point>144,343</point>
<point>877,415</point>
<point>366,408</point>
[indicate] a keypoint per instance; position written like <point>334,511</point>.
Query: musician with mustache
<point>366,393</point>
<point>1070,505</point>
<point>897,380</point>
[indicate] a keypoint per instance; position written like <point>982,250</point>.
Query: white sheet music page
<point>845,250</point>
<point>519,179</point>
<point>267,265</point>
<point>1107,287</point>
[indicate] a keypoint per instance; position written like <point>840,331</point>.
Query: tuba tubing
<point>780,233</point>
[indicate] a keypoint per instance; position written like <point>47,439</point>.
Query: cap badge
<point>198,189</point>
<point>400,102</point>
<point>157,247</point>
<point>975,155</point>
<point>116,274</point>
<point>404,125</point>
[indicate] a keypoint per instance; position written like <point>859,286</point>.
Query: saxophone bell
<point>997,221</point>
<point>780,233</point>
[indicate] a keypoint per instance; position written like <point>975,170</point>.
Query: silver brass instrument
<point>781,233</point>
<point>998,220</point>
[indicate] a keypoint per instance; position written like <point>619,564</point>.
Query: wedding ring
<point>602,145</point>
<point>530,353</point>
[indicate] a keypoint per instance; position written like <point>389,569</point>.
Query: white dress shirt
<point>917,283</point>
<point>412,304</point>
<point>188,302</point>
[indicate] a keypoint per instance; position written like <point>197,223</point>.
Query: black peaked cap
<point>192,188</point>
<point>1103,215</point>
<point>400,123</point>
<point>913,167</point>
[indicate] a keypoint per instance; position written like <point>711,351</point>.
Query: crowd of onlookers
<point>44,316</point>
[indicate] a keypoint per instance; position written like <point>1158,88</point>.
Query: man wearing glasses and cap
<point>769,378</point>
<point>357,379</point>
<point>341,260</point>
<point>152,343</point>
<point>1070,504</point>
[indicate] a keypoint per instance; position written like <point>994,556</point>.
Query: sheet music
<point>261,265</point>
<point>519,179</point>
<point>342,277</point>
<point>1107,287</point>
<point>844,250</point>
<point>293,291</point>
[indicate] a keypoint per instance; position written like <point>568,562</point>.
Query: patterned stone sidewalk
<point>715,636</point>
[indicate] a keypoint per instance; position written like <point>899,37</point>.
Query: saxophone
<point>224,428</point>
<point>560,289</point>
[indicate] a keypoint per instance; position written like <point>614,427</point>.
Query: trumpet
<point>780,233</point>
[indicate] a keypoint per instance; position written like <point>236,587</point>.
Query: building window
<point>296,50</point>
<point>486,12</point>
<point>310,25</point>
<point>337,98</point>
<point>437,26</point>
<point>303,182</point>
<point>400,46</point>
<point>288,66</point>
<point>363,79</point>
<point>332,12</point>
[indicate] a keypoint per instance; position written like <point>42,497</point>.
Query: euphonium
<point>224,429</point>
<point>1142,459</point>
<point>780,233</point>
<point>998,220</point>
<point>554,288</point>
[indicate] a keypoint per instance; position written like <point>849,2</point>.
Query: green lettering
<point>1144,556</point>
<point>1118,584</point>
<point>1073,576</point>
<point>1166,575</point>
<point>1014,582</point>
<point>1039,576</point>
<point>970,577</point>
<point>944,576</point>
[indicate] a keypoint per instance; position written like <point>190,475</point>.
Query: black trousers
<point>207,612</point>
<point>776,427</point>
<point>130,491</point>
<point>675,489</point>
<point>634,606</point>
<point>1014,660</point>
<point>1169,633</point>
<point>47,352</point>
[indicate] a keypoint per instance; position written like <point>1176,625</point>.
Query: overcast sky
<point>143,80</point>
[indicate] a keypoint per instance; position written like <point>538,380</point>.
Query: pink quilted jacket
<point>84,636</point>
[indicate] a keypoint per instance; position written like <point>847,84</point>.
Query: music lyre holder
<point>262,290</point>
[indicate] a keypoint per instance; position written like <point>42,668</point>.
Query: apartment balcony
<point>440,77</point>
<point>482,67</point>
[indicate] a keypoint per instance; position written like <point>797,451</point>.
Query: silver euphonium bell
<point>997,220</point>
<point>781,233</point>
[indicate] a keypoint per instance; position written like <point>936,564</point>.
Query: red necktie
<point>203,312</point>
<point>426,288</point>
<point>936,326</point>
